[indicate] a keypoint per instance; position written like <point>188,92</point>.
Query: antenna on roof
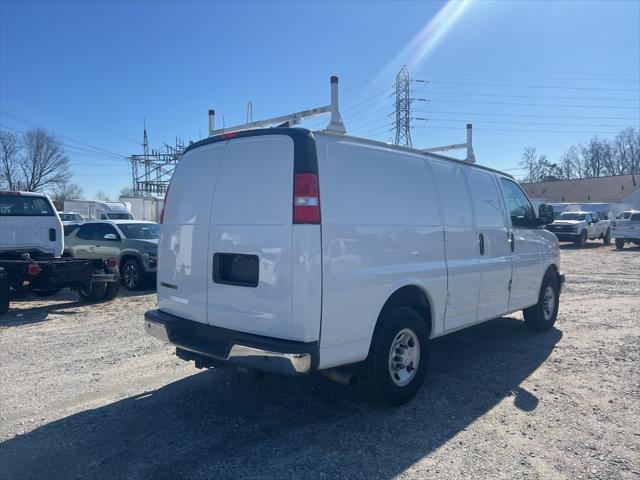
<point>468,145</point>
<point>335,124</point>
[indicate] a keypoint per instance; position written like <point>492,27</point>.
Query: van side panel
<point>183,242</point>
<point>381,230</point>
<point>252,216</point>
<point>462,245</point>
<point>306,283</point>
<point>495,259</point>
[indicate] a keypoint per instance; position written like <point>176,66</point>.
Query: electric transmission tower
<point>403,108</point>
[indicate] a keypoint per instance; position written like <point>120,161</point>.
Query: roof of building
<point>600,189</point>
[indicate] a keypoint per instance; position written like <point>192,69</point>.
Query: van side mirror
<point>110,236</point>
<point>545,214</point>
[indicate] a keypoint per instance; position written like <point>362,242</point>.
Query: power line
<point>534,96</point>
<point>66,116</point>
<point>534,71</point>
<point>475,120</point>
<point>34,125</point>
<point>531,104</point>
<point>518,130</point>
<point>512,85</point>
<point>532,115</point>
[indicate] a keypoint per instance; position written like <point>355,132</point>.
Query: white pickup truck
<point>627,229</point>
<point>578,227</point>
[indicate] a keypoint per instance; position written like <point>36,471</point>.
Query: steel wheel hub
<point>404,357</point>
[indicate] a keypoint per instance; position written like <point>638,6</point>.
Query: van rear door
<point>250,242</point>
<point>183,272</point>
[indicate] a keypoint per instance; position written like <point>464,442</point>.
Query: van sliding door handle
<point>481,244</point>
<point>512,241</point>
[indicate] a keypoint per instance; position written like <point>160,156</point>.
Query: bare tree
<point>103,196</point>
<point>66,191</point>
<point>9,160</point>
<point>38,163</point>
<point>529,160</point>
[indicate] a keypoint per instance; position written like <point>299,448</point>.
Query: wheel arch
<point>409,295</point>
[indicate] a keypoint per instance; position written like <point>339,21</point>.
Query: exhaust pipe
<point>348,379</point>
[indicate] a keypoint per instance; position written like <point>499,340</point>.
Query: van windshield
<point>24,206</point>
<point>119,216</point>
<point>139,231</point>
<point>572,216</point>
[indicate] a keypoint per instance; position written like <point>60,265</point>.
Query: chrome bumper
<point>222,345</point>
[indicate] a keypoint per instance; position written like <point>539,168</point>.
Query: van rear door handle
<point>481,244</point>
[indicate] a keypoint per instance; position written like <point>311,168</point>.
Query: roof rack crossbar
<point>335,124</point>
<point>457,146</point>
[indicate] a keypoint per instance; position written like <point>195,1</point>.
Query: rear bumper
<point>229,346</point>
<point>567,237</point>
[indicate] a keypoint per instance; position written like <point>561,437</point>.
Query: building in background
<point>621,192</point>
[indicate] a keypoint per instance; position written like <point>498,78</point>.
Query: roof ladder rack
<point>458,146</point>
<point>335,124</point>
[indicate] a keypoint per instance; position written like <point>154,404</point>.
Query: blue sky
<point>546,74</point>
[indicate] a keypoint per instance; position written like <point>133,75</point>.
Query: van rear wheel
<point>398,357</point>
<point>542,315</point>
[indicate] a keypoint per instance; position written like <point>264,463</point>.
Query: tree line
<point>36,161</point>
<point>597,157</point>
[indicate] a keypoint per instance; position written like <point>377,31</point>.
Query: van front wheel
<point>398,357</point>
<point>542,315</point>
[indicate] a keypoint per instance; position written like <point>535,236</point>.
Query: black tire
<point>112,290</point>
<point>46,293</point>
<point>92,292</point>
<point>607,237</point>
<point>383,379</point>
<point>132,274</point>
<point>619,243</point>
<point>582,240</point>
<point>541,316</point>
<point>4,292</point>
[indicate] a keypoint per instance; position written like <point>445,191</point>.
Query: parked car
<point>578,227</point>
<point>289,251</point>
<point>627,230</point>
<point>70,218</point>
<point>133,243</point>
<point>31,245</point>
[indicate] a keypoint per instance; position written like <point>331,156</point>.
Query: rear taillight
<point>306,198</point>
<point>164,204</point>
<point>33,269</point>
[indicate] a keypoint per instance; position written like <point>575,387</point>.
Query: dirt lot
<point>84,393</point>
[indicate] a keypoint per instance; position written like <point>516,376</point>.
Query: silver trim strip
<point>301,362</point>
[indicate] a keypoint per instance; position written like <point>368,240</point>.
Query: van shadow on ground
<point>221,423</point>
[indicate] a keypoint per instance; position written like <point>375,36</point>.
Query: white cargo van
<point>292,251</point>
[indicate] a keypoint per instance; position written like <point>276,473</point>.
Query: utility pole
<point>403,108</point>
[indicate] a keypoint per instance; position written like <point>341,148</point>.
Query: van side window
<point>487,200</point>
<point>518,204</point>
<point>454,194</point>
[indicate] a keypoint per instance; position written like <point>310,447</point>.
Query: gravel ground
<point>85,394</point>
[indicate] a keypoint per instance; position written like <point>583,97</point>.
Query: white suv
<point>290,251</point>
